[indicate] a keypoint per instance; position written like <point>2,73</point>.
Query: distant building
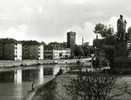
<point>61,54</point>
<point>57,54</point>
<point>53,49</point>
<point>18,51</point>
<point>56,45</point>
<point>32,50</point>
<point>48,54</point>
<point>71,38</point>
<point>71,41</point>
<point>10,49</point>
<point>41,51</point>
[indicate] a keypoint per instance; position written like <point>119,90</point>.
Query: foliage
<point>31,42</point>
<point>103,30</point>
<point>99,28</point>
<point>129,30</point>
<point>43,43</point>
<point>91,86</point>
<point>8,40</point>
<point>121,49</point>
<point>124,64</point>
<point>78,51</point>
<point>49,93</point>
<point>122,89</point>
<point>56,45</point>
<point>87,49</point>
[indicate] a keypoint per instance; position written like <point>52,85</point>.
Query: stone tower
<point>71,39</point>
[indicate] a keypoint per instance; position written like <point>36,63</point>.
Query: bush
<point>122,65</point>
<point>91,86</point>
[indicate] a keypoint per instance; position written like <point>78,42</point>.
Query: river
<point>15,83</point>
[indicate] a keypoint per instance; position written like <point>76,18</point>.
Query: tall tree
<point>78,51</point>
<point>99,28</point>
<point>129,30</point>
<point>103,30</point>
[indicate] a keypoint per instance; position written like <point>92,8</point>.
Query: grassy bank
<point>64,88</point>
<point>72,87</point>
<point>11,63</point>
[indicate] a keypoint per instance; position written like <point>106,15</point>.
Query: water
<point>16,83</point>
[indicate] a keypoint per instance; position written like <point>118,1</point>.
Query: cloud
<point>74,1</point>
<point>18,32</point>
<point>85,31</point>
<point>49,20</point>
<point>113,22</point>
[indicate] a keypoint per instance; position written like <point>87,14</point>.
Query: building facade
<point>57,54</point>
<point>18,51</point>
<point>48,54</point>
<point>61,54</point>
<point>71,39</point>
<point>32,50</point>
<point>41,51</point>
<point>10,49</point>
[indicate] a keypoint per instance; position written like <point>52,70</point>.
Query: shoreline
<point>24,63</point>
<point>47,88</point>
<point>32,93</point>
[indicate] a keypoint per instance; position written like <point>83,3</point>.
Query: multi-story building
<point>61,54</point>
<point>41,51</point>
<point>18,51</point>
<point>48,54</point>
<point>58,53</point>
<point>10,49</point>
<point>32,50</point>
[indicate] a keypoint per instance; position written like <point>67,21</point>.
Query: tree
<point>109,31</point>
<point>56,45</point>
<point>103,30</point>
<point>78,51</point>
<point>99,28</point>
<point>129,30</point>
<point>107,43</point>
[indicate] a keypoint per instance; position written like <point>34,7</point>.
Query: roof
<point>8,40</point>
<point>30,42</point>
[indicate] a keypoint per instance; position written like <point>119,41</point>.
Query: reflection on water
<point>41,75</point>
<point>15,84</point>
<point>18,76</point>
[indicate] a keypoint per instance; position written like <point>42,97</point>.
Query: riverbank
<point>47,90</point>
<point>31,93</point>
<point>57,90</point>
<point>10,63</point>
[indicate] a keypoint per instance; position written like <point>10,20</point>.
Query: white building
<point>61,54</point>
<point>18,51</point>
<point>41,51</point>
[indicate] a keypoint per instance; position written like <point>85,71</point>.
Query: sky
<point>50,20</point>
